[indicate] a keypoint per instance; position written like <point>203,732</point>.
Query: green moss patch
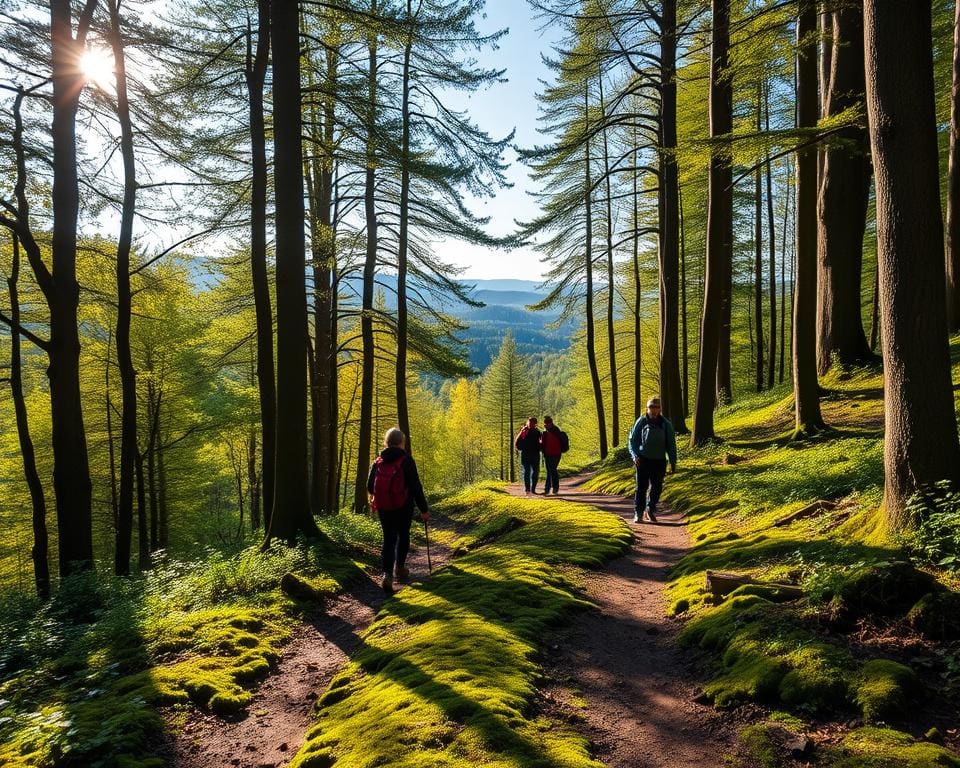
<point>447,673</point>
<point>886,748</point>
<point>885,690</point>
<point>936,616</point>
<point>84,678</point>
<point>883,589</point>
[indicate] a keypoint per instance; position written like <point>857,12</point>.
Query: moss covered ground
<point>448,672</point>
<point>83,679</point>
<point>850,649</point>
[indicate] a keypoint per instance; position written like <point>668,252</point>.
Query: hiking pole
<point>426,532</point>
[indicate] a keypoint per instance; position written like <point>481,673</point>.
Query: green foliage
<point>82,677</point>
<point>936,535</point>
<point>446,675</point>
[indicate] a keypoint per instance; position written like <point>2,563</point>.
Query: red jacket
<point>550,441</point>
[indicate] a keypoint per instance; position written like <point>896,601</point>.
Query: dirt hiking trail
<point>617,671</point>
<point>273,728</point>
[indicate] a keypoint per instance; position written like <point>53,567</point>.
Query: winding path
<point>617,670</point>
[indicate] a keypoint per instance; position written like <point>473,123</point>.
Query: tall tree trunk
<point>255,75</point>
<point>291,506</point>
<point>758,252</point>
<point>806,391</point>
<point>953,188</point>
<point>783,281</point>
<point>403,415</point>
<point>324,489</point>
<point>772,238</point>
<point>143,532</point>
<point>128,375</point>
<point>611,294</point>
<point>684,329</point>
<point>920,436</point>
<point>638,407</point>
<point>41,568</point>
<point>588,300</point>
<point>153,439</point>
<point>253,480</point>
<point>71,467</point>
<point>719,224</point>
<point>842,204</point>
<point>164,509</point>
<point>671,391</point>
<point>111,457</point>
<point>369,269</point>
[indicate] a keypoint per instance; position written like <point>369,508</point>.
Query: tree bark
<point>291,508</point>
<point>806,392</point>
<point>719,225</point>
<point>920,438</point>
<point>671,390</point>
<point>403,415</point>
<point>71,467</point>
<point>255,76</point>
<point>128,375</point>
<point>143,532</point>
<point>611,294</point>
<point>324,488</point>
<point>758,253</point>
<point>369,269</point>
<point>41,567</point>
<point>638,407</point>
<point>772,238</point>
<point>842,203</point>
<point>588,299</point>
<point>953,188</point>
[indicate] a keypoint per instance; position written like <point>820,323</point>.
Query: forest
<point>225,234</point>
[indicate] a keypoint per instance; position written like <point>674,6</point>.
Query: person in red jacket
<point>552,442</point>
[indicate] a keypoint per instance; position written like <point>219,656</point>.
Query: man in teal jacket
<point>652,441</point>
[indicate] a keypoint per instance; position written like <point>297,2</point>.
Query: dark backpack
<point>390,485</point>
<point>564,442</point>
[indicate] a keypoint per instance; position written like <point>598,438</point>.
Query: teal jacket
<point>653,446</point>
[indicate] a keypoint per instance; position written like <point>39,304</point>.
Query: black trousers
<point>553,476</point>
<point>396,537</point>
<point>650,473</point>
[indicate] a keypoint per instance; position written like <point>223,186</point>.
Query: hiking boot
<point>637,516</point>
<point>651,514</point>
<point>402,573</point>
<point>387,583</point>
<point>555,491</point>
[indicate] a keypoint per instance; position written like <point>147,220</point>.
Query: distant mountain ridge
<point>506,301</point>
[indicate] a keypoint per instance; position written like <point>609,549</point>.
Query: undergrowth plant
<point>83,677</point>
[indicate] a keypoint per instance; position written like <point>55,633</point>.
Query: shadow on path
<point>617,670</point>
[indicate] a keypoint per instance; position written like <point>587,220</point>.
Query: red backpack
<point>390,485</point>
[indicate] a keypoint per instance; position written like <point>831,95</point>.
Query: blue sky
<point>499,110</point>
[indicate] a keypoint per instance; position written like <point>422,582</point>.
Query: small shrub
<point>936,514</point>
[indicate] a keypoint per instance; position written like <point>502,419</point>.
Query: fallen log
<point>722,584</point>
<point>812,509</point>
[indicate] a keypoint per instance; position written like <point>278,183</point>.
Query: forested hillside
<point>228,240</point>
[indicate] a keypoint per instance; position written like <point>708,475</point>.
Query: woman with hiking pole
<point>394,487</point>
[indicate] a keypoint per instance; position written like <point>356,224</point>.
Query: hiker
<point>652,441</point>
<point>554,443</point>
<point>528,443</point>
<point>394,486</point>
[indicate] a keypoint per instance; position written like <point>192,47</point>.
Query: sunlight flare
<point>97,67</point>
